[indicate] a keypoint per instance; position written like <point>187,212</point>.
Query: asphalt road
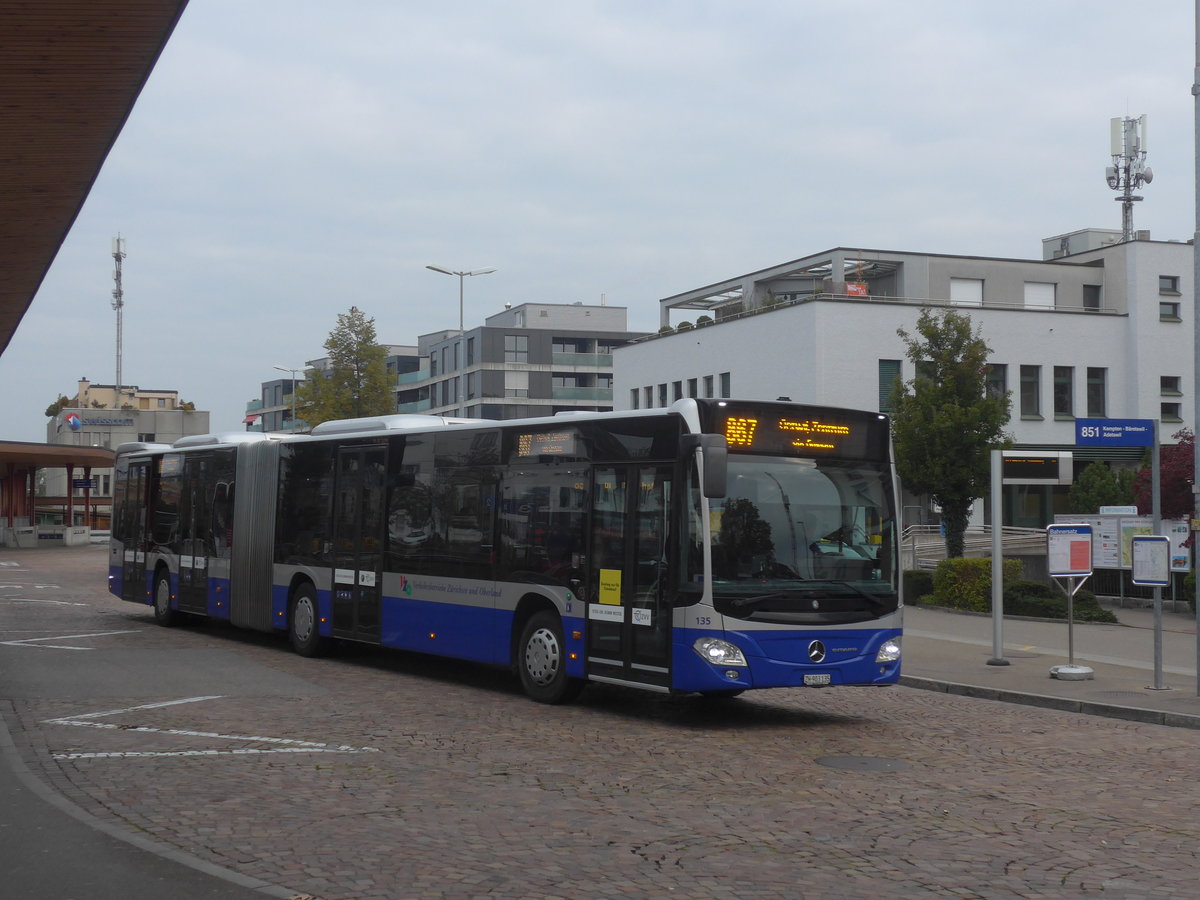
<point>386,775</point>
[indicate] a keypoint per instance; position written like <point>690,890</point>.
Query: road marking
<point>281,745</point>
<point>8,586</point>
<point>35,600</point>
<point>32,642</point>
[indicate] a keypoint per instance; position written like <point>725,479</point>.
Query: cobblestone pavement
<point>383,775</point>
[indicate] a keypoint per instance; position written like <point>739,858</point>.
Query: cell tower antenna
<point>118,303</point>
<point>1129,170</point>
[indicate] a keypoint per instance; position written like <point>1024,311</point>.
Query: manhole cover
<point>863,764</point>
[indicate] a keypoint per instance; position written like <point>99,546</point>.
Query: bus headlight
<point>889,651</point>
<point>718,652</point>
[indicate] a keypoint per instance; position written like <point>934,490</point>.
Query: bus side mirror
<point>714,456</point>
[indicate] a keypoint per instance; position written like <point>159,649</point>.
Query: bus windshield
<point>803,537</point>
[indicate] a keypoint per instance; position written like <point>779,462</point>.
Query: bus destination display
<point>797,434</point>
<point>549,443</point>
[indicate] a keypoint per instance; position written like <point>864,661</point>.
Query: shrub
<point>917,585</point>
<point>966,583</point>
<point>1039,600</point>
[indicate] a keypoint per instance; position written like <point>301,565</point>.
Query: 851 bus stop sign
<point>1114,432</point>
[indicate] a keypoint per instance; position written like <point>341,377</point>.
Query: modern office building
<point>534,359</point>
<point>1096,328</point>
<point>155,416</point>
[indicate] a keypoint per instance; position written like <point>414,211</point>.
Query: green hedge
<point>1043,601</point>
<point>966,583</point>
<point>917,585</point>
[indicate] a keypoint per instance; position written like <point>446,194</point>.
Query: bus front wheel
<point>542,662</point>
<point>304,622</point>
<point>163,614</point>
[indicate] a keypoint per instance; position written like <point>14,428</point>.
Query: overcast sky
<point>289,159</point>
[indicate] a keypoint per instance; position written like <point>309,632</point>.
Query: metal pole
<point>1156,513</point>
<point>460,298</point>
<point>1196,319</point>
<point>998,562</point>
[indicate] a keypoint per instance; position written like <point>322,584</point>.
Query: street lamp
<point>461,276</point>
<point>293,373</point>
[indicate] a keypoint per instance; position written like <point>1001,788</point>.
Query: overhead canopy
<point>53,456</point>
<point>70,71</point>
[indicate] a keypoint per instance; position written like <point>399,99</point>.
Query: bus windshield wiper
<point>754,602</point>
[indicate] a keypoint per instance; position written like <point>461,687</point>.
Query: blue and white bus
<point>713,546</point>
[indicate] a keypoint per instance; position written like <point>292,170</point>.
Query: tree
<point>356,382</point>
<point>1099,485</point>
<point>57,406</point>
<point>945,423</point>
<point>1176,465</point>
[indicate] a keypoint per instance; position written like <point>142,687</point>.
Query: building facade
<point>534,359</point>
<point>1098,328</point>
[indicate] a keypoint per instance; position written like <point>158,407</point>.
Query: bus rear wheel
<point>542,661</point>
<point>163,614</point>
<point>304,630</point>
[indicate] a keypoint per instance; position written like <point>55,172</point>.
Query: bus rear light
<point>433,635</point>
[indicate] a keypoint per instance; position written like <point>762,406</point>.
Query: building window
<point>604,381</point>
<point>1039,295</point>
<point>648,394</point>
<point>471,384</point>
<point>966,291</point>
<point>516,384</point>
<point>708,386</point>
<point>516,348</point>
<point>1172,412</point>
<point>889,371</point>
<point>996,385</point>
<point>1168,284</point>
<point>692,387</point>
<point>433,366</point>
<point>1169,385</point>
<point>633,399</point>
<point>470,351</point>
<point>457,345</point>
<point>677,390</point>
<point>1091,297</point>
<point>1064,392</point>
<point>726,386</point>
<point>1097,393</point>
<point>1168,311</point>
<point>662,395</point>
<point>1031,390</point>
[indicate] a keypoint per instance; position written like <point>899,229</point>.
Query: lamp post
<point>293,373</point>
<point>461,276</point>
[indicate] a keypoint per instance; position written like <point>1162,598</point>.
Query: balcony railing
<point>595,360</point>
<point>591,395</point>
<point>415,407</point>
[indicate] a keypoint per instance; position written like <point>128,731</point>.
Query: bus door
<point>135,531</point>
<point>195,534</point>
<point>629,614</point>
<point>358,517</point>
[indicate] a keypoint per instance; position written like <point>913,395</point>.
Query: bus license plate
<point>817,680</point>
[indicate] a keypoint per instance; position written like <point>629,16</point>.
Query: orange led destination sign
<point>746,432</point>
<point>550,443</point>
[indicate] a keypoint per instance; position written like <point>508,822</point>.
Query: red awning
<point>253,417</point>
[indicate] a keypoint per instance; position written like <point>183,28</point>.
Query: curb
<point>1062,704</point>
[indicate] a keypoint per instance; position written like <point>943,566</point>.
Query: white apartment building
<point>1097,328</point>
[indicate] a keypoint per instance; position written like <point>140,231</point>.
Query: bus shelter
<point>19,466</point>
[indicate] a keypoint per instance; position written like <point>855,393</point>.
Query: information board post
<point>1069,560</point>
<point>1152,566</point>
<point>1016,467</point>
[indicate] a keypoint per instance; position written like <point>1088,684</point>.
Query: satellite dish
<point>1110,175</point>
<point>1148,175</point>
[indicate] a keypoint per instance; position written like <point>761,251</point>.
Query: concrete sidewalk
<point>950,651</point>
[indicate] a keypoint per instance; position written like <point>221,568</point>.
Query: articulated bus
<point>710,547</point>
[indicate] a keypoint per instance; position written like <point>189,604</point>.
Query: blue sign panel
<point>1114,432</point>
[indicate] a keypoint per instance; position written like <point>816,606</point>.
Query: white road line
<point>32,642</point>
<point>33,600</point>
<point>285,745</point>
